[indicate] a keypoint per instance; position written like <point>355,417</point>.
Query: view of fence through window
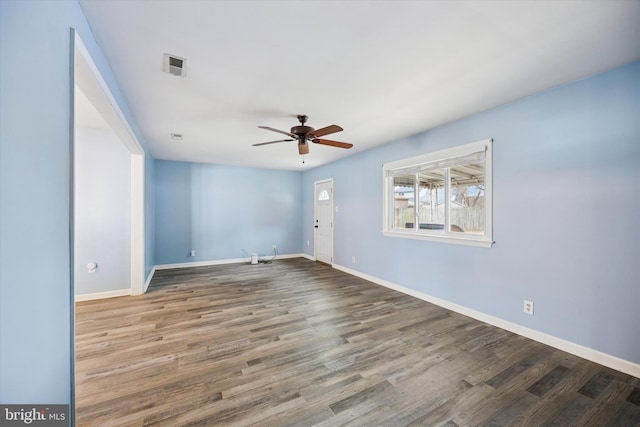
<point>442,196</point>
<point>428,200</point>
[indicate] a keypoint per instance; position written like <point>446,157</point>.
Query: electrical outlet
<point>307,243</point>
<point>193,253</point>
<point>528,307</point>
<point>92,267</point>
<point>353,260</point>
<point>273,248</point>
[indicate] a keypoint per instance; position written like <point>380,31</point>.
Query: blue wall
<point>219,211</point>
<point>566,221</point>
<point>35,197</point>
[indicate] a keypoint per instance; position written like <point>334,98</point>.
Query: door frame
<point>315,215</point>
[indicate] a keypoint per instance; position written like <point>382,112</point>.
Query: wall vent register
<point>174,65</point>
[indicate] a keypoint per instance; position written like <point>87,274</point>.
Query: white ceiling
<point>380,69</point>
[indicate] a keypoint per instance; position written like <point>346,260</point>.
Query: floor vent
<point>174,65</point>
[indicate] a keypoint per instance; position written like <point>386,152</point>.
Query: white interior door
<point>323,221</point>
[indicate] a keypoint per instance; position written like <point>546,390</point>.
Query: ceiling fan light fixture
<point>303,147</point>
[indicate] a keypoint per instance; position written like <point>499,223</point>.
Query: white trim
<point>309,257</point>
<point>106,103</point>
<point>485,240</point>
<point>90,80</point>
<point>467,240</point>
<point>148,281</point>
<point>456,151</point>
<point>218,262</point>
<point>137,224</point>
<point>102,295</point>
<point>596,356</point>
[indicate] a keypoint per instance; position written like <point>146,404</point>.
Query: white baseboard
<point>101,295</point>
<point>309,257</point>
<point>126,292</point>
<point>596,356</point>
<point>219,262</point>
<point>148,281</point>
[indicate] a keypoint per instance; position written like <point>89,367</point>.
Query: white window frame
<point>482,240</point>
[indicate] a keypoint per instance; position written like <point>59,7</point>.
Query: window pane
<point>324,195</point>
<point>404,201</point>
<point>431,196</point>
<point>468,198</point>
<point>442,196</point>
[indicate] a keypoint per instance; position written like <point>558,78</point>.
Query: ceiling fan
<point>303,133</point>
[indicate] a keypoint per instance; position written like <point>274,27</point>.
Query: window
<point>443,196</point>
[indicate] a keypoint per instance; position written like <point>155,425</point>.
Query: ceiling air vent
<point>174,65</point>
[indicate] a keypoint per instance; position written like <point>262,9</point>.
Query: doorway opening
<point>105,203</point>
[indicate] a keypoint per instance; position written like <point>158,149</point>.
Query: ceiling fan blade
<point>272,142</point>
<point>278,130</point>
<point>303,148</point>
<point>332,143</point>
<point>325,131</point>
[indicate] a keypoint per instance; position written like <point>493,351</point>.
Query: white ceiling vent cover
<point>174,65</point>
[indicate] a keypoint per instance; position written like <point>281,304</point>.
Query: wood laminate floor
<point>297,343</point>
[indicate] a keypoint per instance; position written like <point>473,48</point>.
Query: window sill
<point>469,240</point>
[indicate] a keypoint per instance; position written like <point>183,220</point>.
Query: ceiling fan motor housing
<point>306,133</point>
<point>302,131</point>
